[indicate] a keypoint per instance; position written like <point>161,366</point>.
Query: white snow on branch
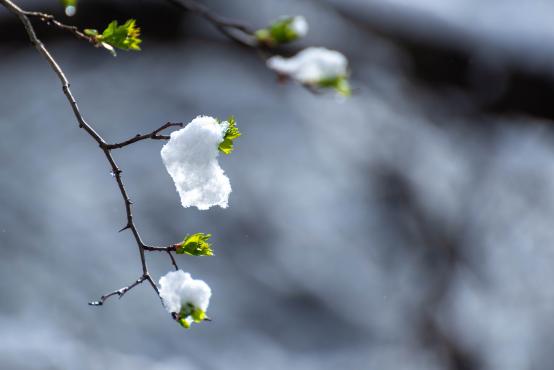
<point>299,25</point>
<point>311,65</point>
<point>178,288</point>
<point>190,157</point>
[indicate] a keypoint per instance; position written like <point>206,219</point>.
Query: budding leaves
<point>195,245</point>
<point>282,31</point>
<point>340,84</point>
<point>189,314</point>
<point>232,133</point>
<point>124,37</point>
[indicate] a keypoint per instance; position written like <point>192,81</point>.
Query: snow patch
<point>190,157</point>
<point>177,288</point>
<point>311,65</point>
<point>299,25</point>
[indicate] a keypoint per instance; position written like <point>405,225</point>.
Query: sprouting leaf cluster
<point>188,314</point>
<point>340,84</point>
<point>196,245</point>
<point>124,37</point>
<point>279,32</point>
<point>232,133</point>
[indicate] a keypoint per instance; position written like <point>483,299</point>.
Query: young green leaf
<point>184,323</point>
<point>198,315</point>
<point>282,31</point>
<point>340,84</point>
<point>232,133</point>
<point>124,37</point>
<point>91,32</point>
<point>196,245</point>
<point>189,314</point>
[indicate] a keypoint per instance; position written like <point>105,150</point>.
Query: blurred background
<point>407,227</point>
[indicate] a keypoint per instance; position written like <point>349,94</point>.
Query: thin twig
<point>234,30</point>
<point>171,248</point>
<point>120,292</point>
<point>154,135</point>
<point>168,250</point>
<point>173,262</point>
<point>51,20</point>
<point>155,287</point>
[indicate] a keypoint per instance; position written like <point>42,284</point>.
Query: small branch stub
<point>119,292</point>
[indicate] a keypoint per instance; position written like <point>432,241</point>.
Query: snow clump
<point>299,25</point>
<point>178,289</point>
<point>311,65</point>
<point>190,157</point>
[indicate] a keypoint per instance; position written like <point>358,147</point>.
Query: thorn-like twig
<point>119,292</point>
<point>126,227</point>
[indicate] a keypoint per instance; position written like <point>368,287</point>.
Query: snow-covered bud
<point>316,67</point>
<point>190,157</point>
<point>185,298</point>
<point>299,25</point>
<point>283,30</point>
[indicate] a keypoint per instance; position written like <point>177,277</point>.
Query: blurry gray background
<point>408,227</point>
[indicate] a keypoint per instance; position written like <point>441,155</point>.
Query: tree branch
<point>120,292</point>
<point>154,135</point>
<point>239,33</point>
<point>104,146</point>
<point>234,30</point>
<point>171,248</point>
<point>51,20</point>
<point>173,262</point>
<point>168,250</point>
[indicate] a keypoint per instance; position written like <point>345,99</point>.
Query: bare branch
<point>154,135</point>
<point>51,20</point>
<point>104,146</point>
<point>234,30</point>
<point>168,250</point>
<point>173,260</point>
<point>54,65</point>
<point>120,292</point>
<point>154,286</point>
<point>171,248</point>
